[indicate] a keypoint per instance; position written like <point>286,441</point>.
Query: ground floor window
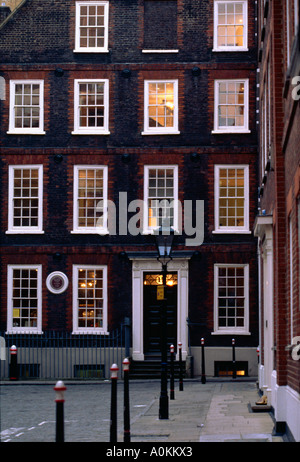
<point>231,299</point>
<point>89,299</point>
<point>24,310</point>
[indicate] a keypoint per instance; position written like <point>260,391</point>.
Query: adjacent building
<point>278,222</point>
<point>116,115</point>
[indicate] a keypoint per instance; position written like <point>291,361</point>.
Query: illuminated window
<point>90,195</point>
<point>231,299</point>
<point>91,27</point>
<point>24,298</point>
<point>25,199</point>
<point>89,299</point>
<point>161,107</point>
<point>231,198</point>
<point>230,25</point>
<point>160,197</point>
<point>231,106</point>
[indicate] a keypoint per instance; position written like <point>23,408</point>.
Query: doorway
<point>152,306</point>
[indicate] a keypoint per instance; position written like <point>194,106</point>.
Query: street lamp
<point>164,240</point>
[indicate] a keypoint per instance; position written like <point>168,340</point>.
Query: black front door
<point>152,312</point>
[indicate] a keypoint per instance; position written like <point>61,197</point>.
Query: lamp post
<point>164,240</point>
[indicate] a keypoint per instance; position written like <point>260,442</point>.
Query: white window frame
<point>25,330</point>
<point>13,130</point>
<point>231,129</point>
<point>160,130</point>
<point>232,229</point>
<point>149,229</point>
<point>24,229</point>
<point>78,48</point>
<point>234,48</point>
<point>231,330</point>
<point>78,130</point>
<point>89,230</point>
<point>92,330</point>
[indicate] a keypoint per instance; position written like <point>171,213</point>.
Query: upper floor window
<point>26,113</point>
<point>91,107</point>
<point>24,298</point>
<point>231,198</point>
<point>25,199</point>
<point>90,195</point>
<point>161,107</point>
<point>231,106</point>
<point>89,299</point>
<point>231,299</point>
<point>91,27</point>
<point>230,25</point>
<point>160,197</point>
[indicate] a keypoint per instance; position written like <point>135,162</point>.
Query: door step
<point>151,369</point>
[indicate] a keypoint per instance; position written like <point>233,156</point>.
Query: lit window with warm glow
<point>161,107</point>
<point>231,198</point>
<point>90,299</point>
<point>230,25</point>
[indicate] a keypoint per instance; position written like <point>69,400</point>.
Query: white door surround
<point>139,267</point>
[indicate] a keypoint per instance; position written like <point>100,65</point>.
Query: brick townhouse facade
<point>128,100</point>
<point>278,223</point>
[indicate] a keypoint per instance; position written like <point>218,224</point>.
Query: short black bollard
<point>172,390</point>
<point>233,359</point>
<point>126,364</point>
<point>113,405</point>
<point>60,389</point>
<point>180,367</point>
<point>13,374</point>
<point>203,377</point>
<point>257,351</point>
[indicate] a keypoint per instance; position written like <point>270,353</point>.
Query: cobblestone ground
<point>28,412</point>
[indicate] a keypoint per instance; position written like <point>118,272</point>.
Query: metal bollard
<point>13,375</point>
<point>113,405</point>
<point>172,390</point>
<point>233,359</point>
<point>257,351</point>
<point>180,367</point>
<point>203,377</point>
<point>126,364</point>
<point>60,390</point>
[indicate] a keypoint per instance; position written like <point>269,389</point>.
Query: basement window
<point>225,368</point>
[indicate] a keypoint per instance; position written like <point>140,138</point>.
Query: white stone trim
<point>139,266</point>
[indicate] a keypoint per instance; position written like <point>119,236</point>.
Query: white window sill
<point>229,49</point>
<point>26,132</point>
<point>91,50</point>
<point>230,132</point>
<point>24,331</point>
<point>160,51</point>
<point>90,132</point>
<point>24,231</point>
<point>230,332</point>
<point>90,231</point>
<point>232,231</point>
<point>174,132</point>
<point>89,332</point>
